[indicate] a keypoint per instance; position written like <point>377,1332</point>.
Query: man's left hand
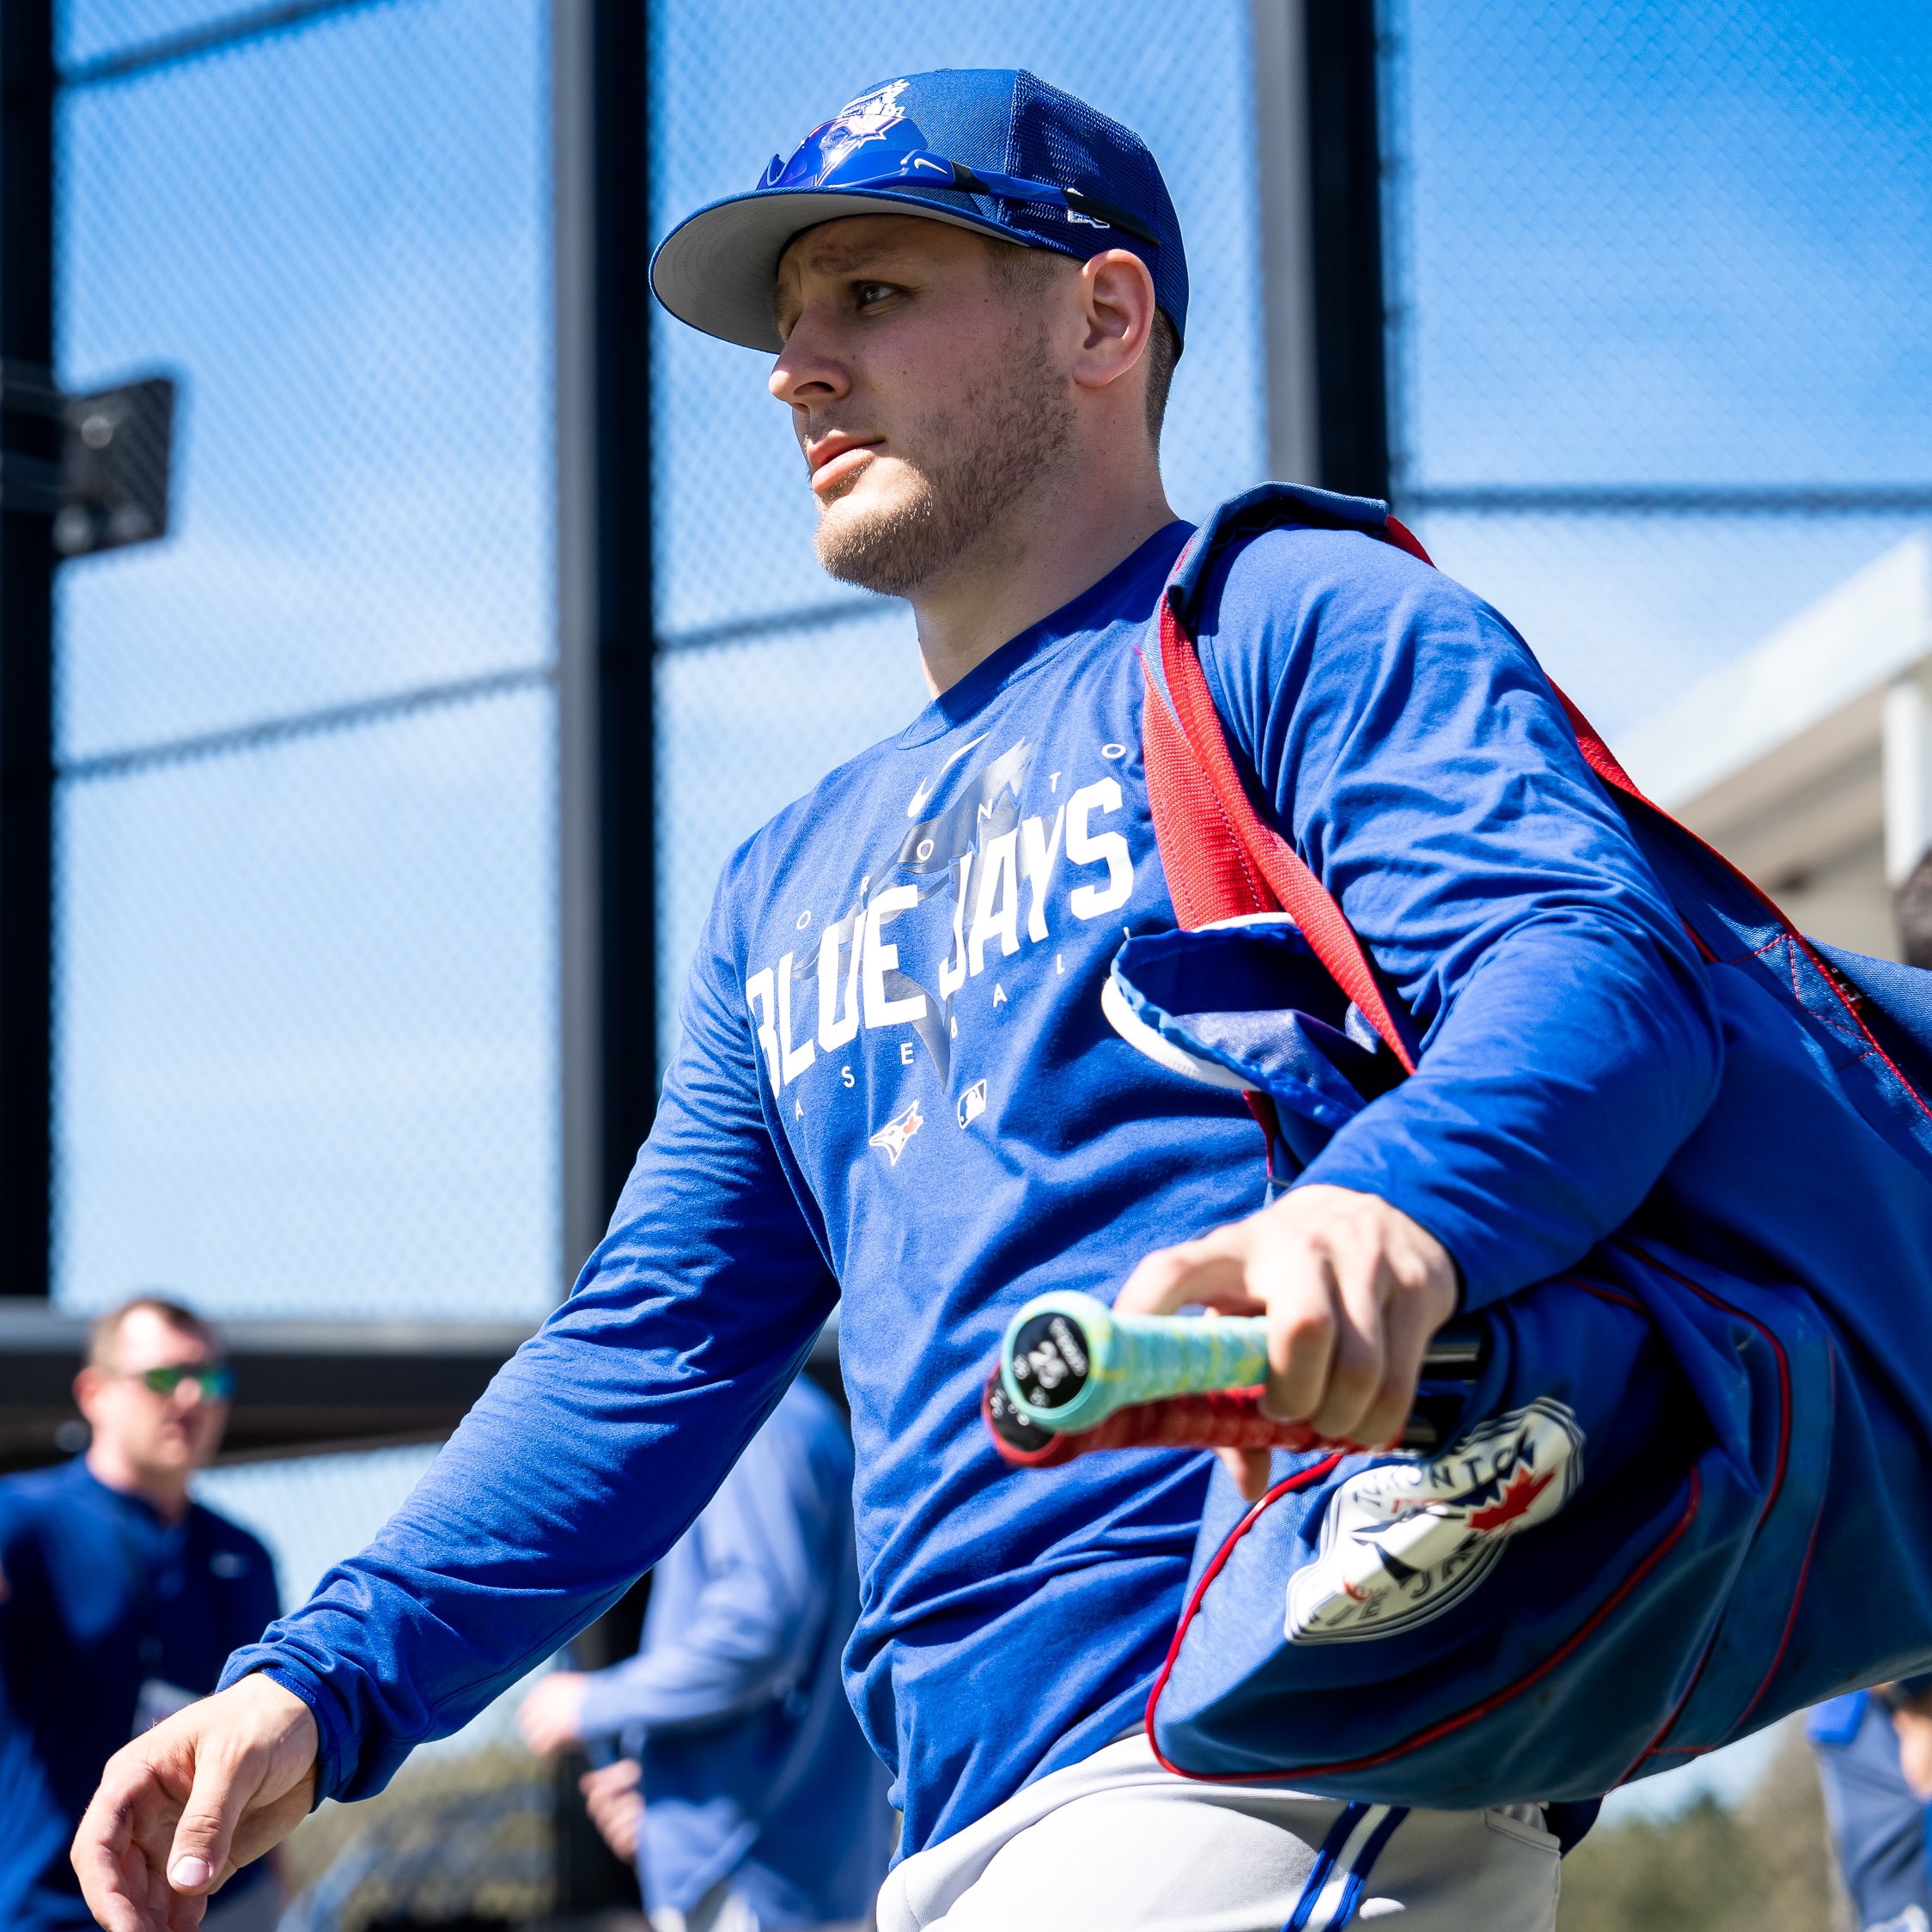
<point>551,1715</point>
<point>1352,1288</point>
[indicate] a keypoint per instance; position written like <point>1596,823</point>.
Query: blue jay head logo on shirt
<point>873,132</point>
<point>897,1131</point>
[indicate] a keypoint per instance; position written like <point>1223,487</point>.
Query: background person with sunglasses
<point>120,1599</point>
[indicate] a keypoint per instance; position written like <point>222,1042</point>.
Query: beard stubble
<point>977,463</point>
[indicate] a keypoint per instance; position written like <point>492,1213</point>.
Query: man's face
<point>925,390</point>
<point>162,1436</point>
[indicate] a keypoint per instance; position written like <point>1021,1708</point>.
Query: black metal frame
<point>1345,232</point>
<point>626,718</point>
<point>26,567</point>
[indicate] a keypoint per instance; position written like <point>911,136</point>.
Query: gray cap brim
<point>717,268</point>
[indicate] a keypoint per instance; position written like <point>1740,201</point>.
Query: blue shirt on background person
<point>755,1777</point>
<point>1880,1825</point>
<point>120,1599</point>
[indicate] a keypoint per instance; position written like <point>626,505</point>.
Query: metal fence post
<point>1278,31</point>
<point>1345,214</point>
<point>608,817</point>
<point>26,567</point>
<point>607,752</point>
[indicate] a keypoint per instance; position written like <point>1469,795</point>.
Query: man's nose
<point>808,373</point>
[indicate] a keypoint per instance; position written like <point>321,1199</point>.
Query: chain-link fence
<point>1661,348</point>
<point>305,1045</point>
<point>1661,372</point>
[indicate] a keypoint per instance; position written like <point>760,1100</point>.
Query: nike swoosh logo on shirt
<point>928,786</point>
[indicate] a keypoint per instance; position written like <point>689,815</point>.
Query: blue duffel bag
<point>1690,1490</point>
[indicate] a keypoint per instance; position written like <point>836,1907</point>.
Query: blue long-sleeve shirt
<point>894,1083</point>
<point>752,1763</point>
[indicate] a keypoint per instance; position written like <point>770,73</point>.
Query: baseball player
<point>895,1088</point>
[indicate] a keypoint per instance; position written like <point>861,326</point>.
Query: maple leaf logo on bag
<point>1402,1542</point>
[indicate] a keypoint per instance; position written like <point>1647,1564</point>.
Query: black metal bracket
<point>110,485</point>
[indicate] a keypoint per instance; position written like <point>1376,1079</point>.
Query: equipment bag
<point>1692,1488</point>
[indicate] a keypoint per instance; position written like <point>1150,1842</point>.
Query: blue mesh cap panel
<point>1057,136</point>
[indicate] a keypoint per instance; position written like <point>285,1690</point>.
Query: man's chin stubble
<point>892,550</point>
<point>970,505</point>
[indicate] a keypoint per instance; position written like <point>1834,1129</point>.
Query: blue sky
<point>1658,243</point>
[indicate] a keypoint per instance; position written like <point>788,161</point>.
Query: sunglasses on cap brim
<point>921,169</point>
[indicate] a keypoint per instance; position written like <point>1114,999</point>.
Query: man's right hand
<point>184,1807</point>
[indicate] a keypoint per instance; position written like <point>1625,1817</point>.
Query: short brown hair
<point>1020,268</point>
<point>104,1331</point>
<point>1163,351</point>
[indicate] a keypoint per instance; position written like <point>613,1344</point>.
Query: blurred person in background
<point>745,1791</point>
<point>120,1599</point>
<point>1875,1760</point>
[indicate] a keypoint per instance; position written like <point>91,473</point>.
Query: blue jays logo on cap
<point>875,120</point>
<point>994,150</point>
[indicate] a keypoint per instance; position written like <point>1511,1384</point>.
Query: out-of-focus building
<point>1808,761</point>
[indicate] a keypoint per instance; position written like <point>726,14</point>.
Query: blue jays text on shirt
<point>1004,882</point>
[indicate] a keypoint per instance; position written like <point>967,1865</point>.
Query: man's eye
<point>867,293</point>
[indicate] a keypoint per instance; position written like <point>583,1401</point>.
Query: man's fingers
<point>1360,1275</point>
<point>181,1807</point>
<point>123,1889</point>
<point>1409,1322</point>
<point>1297,1287</point>
<point>103,1847</point>
<point>1211,1271</point>
<point>117,1888</point>
<point>1249,1470</point>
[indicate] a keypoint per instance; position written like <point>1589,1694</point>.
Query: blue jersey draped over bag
<point>1686,1493</point>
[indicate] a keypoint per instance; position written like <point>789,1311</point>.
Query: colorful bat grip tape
<point>1068,1362</point>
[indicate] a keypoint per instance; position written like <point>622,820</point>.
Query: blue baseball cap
<point>992,150</point>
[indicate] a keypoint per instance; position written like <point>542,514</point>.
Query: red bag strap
<point>1221,858</point>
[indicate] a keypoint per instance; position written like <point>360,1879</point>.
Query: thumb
<point>199,1857</point>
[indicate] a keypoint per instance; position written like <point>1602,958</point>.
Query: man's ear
<point>87,1389</point>
<point>1117,308</point>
